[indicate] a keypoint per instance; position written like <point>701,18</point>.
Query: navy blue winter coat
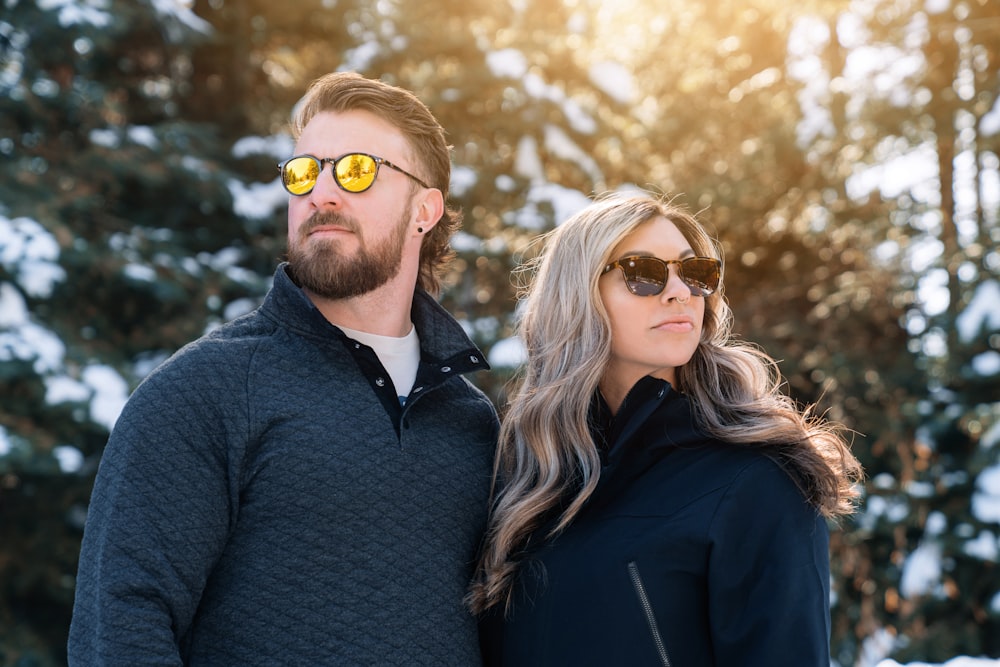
<point>690,553</point>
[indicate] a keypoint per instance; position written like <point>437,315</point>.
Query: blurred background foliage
<point>845,152</point>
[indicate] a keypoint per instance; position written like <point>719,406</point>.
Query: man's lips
<point>321,229</point>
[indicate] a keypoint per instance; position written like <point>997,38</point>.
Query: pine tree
<point>139,207</point>
<point>119,244</point>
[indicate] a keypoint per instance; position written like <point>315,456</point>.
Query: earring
<point>420,230</point>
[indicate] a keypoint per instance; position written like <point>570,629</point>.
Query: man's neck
<point>384,311</point>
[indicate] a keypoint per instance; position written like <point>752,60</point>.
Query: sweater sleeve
<point>769,574</point>
<point>158,519</point>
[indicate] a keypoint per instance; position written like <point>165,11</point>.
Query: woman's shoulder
<point>733,467</point>
<point>757,487</point>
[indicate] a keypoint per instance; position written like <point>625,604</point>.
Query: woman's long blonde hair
<point>547,463</point>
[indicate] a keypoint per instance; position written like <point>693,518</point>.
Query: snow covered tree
<point>118,243</point>
<point>139,207</point>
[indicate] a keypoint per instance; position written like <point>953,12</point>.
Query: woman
<point>659,501</point>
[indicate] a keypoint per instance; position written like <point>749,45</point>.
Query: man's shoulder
<point>221,351</point>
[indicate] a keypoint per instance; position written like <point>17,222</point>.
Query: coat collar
<point>654,420</point>
<point>441,336</point>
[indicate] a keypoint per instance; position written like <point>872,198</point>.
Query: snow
<point>961,661</point>
<point>935,524</point>
<point>359,58</point>
<point>986,364</point>
<point>196,165</point>
<point>989,124</point>
<point>64,389</point>
<point>144,136</point>
<point>16,44</point>
<point>30,253</point>
<point>139,273</point>
<point>180,11</point>
<point>984,547</point>
<point>38,278</point>
<point>100,386</point>
<point>507,63</point>
<point>238,308</point>
<point>105,138</point>
<point>806,39</point>
<point>875,647</point>
<point>257,201</point>
<point>911,171</point>
<point>146,362</point>
<point>465,242</point>
<point>885,68</point>
<point>79,12</point>
<point>884,480</point>
<point>991,437</point>
<point>13,310</point>
<point>982,314</point>
<point>141,135</point>
<point>463,179</point>
<point>507,353</point>
<point>892,508</point>
<point>527,161</point>
<point>45,87</point>
<point>577,118</point>
<point>504,183</point>
<point>23,340</point>
<point>279,146</point>
<point>110,391</point>
<point>70,458</point>
<point>564,202</point>
<point>986,499</point>
<point>615,80</point>
<point>921,571</point>
<point>560,145</point>
<point>920,489</point>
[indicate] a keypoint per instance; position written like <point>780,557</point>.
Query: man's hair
<point>349,91</point>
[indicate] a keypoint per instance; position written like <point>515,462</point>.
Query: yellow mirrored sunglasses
<point>353,172</point>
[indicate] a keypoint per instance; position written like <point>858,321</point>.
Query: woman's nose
<point>675,287</point>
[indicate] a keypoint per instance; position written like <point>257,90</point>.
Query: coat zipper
<point>647,608</point>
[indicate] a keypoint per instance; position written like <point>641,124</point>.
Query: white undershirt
<point>399,356</point>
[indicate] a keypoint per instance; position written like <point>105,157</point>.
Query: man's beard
<point>319,266</point>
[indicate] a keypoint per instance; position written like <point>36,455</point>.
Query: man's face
<point>343,244</point>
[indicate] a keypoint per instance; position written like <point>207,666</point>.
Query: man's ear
<point>429,209</point>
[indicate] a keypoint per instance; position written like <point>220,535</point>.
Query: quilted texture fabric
<point>256,505</point>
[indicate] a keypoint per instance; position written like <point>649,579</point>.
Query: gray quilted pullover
<point>258,504</point>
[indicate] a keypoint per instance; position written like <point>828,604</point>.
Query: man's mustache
<point>324,218</point>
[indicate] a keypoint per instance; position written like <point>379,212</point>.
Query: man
<point>307,485</point>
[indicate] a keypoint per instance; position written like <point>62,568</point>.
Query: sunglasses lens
<point>299,175</point>
<point>701,274</point>
<point>356,172</point>
<point>645,276</point>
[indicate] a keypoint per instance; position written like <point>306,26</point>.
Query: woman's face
<point>650,335</point>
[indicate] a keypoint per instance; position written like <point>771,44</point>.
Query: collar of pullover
<point>442,338</point>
